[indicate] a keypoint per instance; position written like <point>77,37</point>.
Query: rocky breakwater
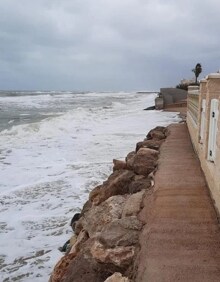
<point>106,234</point>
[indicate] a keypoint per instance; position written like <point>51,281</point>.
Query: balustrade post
<point>203,111</point>
<point>213,92</point>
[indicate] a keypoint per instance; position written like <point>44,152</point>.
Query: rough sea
<point>54,148</point>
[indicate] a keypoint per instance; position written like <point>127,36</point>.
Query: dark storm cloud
<point>103,44</point>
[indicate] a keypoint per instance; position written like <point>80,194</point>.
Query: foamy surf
<point>48,166</point>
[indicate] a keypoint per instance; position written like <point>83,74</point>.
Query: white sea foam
<point>47,169</point>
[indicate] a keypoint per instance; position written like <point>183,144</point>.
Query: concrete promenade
<point>181,238</point>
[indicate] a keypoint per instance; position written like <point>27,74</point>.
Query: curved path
<point>181,238</point>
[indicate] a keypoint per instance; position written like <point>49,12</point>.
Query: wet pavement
<point>181,238</point>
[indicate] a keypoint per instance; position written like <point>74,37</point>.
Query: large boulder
<point>139,183</point>
<point>118,165</point>
<point>87,206</point>
<point>133,204</point>
<point>145,161</point>
<point>97,217</point>
<point>151,144</point>
<point>120,232</point>
<point>95,193</point>
<point>74,219</point>
<point>85,268</point>
<point>117,277</point>
<point>78,244</point>
<point>158,133</point>
<point>130,159</point>
<point>118,256</point>
<point>61,268</point>
<point>117,184</point>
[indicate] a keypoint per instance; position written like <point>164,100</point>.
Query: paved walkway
<point>181,238</point>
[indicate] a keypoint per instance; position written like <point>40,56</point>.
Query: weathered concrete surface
<point>173,95</point>
<point>181,238</point>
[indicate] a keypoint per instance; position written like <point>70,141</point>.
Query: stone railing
<point>193,104</point>
<point>203,120</point>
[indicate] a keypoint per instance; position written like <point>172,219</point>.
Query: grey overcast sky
<point>106,44</point>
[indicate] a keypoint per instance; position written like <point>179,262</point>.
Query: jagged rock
<point>151,144</point>
<point>80,240</point>
<point>73,240</point>
<point>145,161</point>
<point>130,159</point>
<point>120,232</point>
<point>117,277</point>
<point>149,108</point>
<point>97,217</point>
<point>118,165</point>
<point>61,268</point>
<point>85,268</point>
<point>119,256</point>
<point>87,206</point>
<point>117,184</point>
<point>74,219</point>
<point>77,226</point>
<point>133,204</point>
<point>159,128</point>
<point>158,133</point>
<point>94,193</point>
<point>139,183</point>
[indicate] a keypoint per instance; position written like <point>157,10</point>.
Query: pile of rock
<point>106,237</point>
